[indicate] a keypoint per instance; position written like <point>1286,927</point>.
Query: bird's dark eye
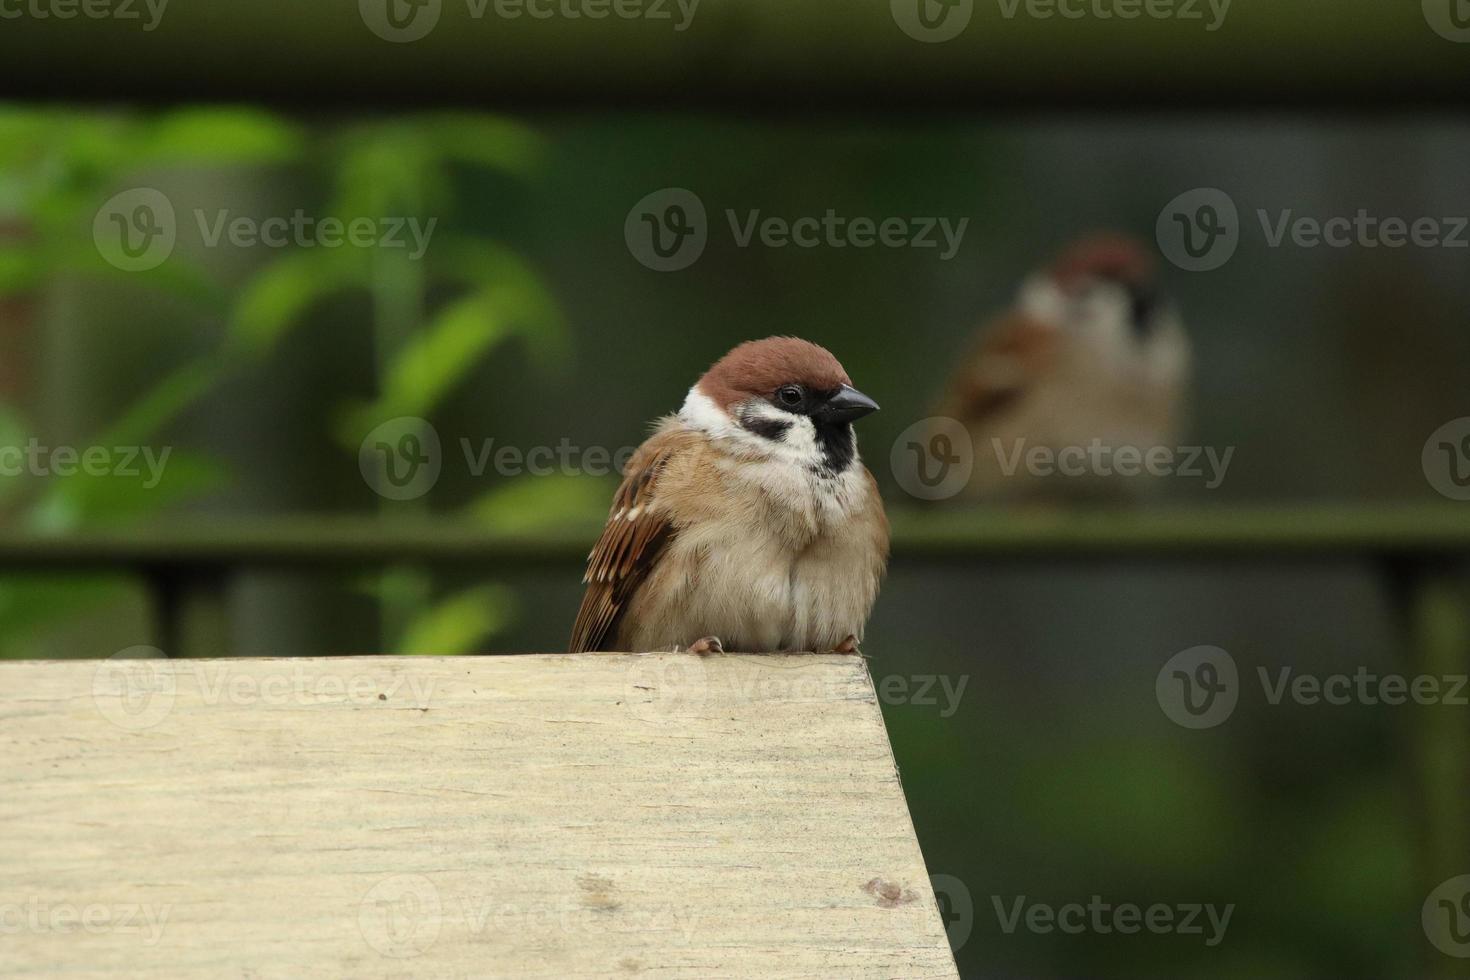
<point>789,395</point>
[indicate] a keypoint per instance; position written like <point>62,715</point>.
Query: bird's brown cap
<point>759,367</point>
<point>1105,256</point>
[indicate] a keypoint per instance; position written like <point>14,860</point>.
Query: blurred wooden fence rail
<point>1418,549</point>
<point>896,56</point>
<point>533,816</point>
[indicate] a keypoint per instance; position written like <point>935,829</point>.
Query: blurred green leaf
<point>28,603</point>
<point>62,256</point>
<point>532,503</point>
<point>218,135</point>
<point>163,402</point>
<point>437,357</point>
<point>22,126</point>
<point>492,267</point>
<point>282,293</point>
<point>21,270</point>
<point>161,481</point>
<point>443,352</point>
<point>384,176</point>
<point>460,623</point>
<point>486,141</point>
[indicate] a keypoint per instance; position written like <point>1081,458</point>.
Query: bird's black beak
<point>847,404</point>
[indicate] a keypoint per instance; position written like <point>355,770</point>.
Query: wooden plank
<point>656,815</point>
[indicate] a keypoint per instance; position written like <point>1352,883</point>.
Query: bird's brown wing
<point>637,530</point>
<point>997,373</point>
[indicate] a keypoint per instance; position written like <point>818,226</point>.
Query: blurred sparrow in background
<point>746,521</point>
<point>1089,358</point>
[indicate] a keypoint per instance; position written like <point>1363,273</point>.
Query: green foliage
<point>538,503</point>
<point>59,166</point>
<point>36,602</point>
<point>460,623</point>
<point>283,293</point>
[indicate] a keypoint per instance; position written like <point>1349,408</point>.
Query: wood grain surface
<point>658,815</point>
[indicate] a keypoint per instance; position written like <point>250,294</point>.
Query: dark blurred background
<point>528,320</point>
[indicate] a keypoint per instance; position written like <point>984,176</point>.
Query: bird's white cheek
<point>1042,300</point>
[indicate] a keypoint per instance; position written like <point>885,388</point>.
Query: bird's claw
<point>848,645</point>
<point>707,644</point>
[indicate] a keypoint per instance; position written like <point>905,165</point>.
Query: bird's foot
<point>706,645</point>
<point>848,645</point>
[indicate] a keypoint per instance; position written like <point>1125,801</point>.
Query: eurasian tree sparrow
<point>746,521</point>
<point>1089,355</point>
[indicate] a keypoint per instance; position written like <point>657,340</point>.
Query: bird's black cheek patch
<point>838,447</point>
<point>772,429</point>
